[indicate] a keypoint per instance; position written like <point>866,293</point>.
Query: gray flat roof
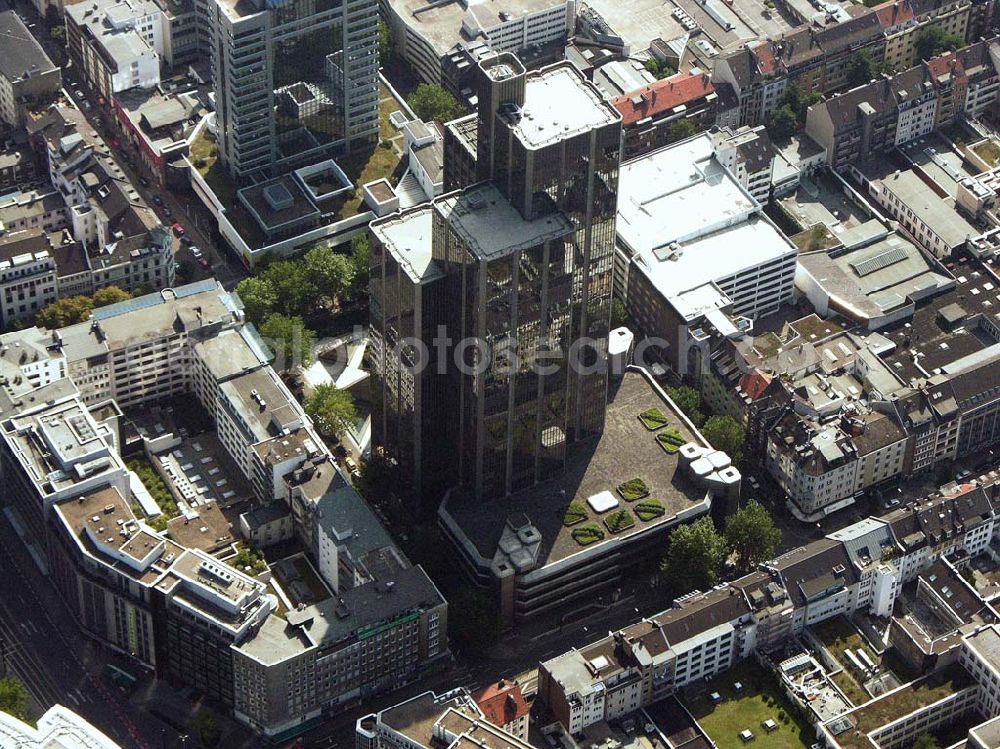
<point>491,227</point>
<point>624,451</point>
<point>940,215</point>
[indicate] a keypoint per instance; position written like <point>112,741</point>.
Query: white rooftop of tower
<point>559,103</point>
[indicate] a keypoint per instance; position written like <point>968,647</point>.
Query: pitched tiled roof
<point>662,96</point>
<point>501,702</point>
<point>894,13</point>
<point>754,383</point>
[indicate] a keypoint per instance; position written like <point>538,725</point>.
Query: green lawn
<point>839,635</point>
<point>759,700</point>
<point>988,152</point>
<point>816,238</point>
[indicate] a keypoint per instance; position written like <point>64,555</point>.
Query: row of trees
<point>722,432</point>
<point>288,294</point>
<point>70,310</point>
<point>697,551</point>
<point>13,698</point>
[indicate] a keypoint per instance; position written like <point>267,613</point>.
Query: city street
<point>46,650</point>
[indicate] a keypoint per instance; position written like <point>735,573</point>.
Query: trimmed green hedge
<point>670,440</point>
<point>619,520</point>
<point>575,513</point>
<point>649,509</point>
<point>587,534</point>
<point>633,489</point>
<point>653,419</point>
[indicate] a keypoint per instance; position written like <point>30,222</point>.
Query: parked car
<point>186,240</point>
<point>167,212</point>
<point>178,230</point>
<point>143,181</point>
<point>78,94</point>
<point>352,467</point>
<point>86,106</point>
<point>157,200</point>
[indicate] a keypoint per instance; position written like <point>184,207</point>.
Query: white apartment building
<point>684,222</point>
<point>425,33</point>
<point>117,44</point>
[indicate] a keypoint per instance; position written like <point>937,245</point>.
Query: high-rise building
<point>517,269</point>
<point>294,80</point>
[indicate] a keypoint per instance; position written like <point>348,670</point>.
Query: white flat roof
<point>559,103</point>
<point>407,237</point>
<point>682,194</point>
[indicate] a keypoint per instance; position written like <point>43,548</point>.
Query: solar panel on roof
<point>878,262</point>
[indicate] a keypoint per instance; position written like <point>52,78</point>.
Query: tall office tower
<point>295,80</point>
<point>518,270</point>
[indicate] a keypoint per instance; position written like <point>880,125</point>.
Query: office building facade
<point>293,82</point>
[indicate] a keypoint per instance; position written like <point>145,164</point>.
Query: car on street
<point>78,94</point>
<point>178,230</point>
<point>157,200</point>
<point>167,212</point>
<point>199,257</point>
<point>143,181</point>
<point>186,240</point>
<point>86,106</point>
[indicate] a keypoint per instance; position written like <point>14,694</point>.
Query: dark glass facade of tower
<point>524,263</point>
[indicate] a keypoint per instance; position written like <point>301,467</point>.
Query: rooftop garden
<point>818,237</point>
<point>633,489</point>
<point>588,534</point>
<point>247,560</point>
<point>988,151</point>
<point>904,701</point>
<point>575,513</point>
<point>619,520</point>
<point>653,419</point>
<point>758,700</point>
<point>650,509</point>
<point>158,489</point>
<point>838,635</point>
<point>670,440</point>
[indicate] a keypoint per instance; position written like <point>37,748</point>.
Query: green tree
<point>784,123</point>
<point>680,130</point>
<point>861,69</point>
<point>361,250</point>
<point>694,556</point>
<point>619,316</point>
<point>933,40</point>
<point>926,741</point>
<point>57,33</point>
<point>330,273</point>
<point>290,340</point>
<point>688,400</point>
<point>259,298</point>
<point>14,698</point>
<point>659,69</point>
<point>207,730</point>
<point>332,410</point>
<point>110,295</point>
<point>294,289</point>
<point>431,102</point>
<point>726,434</point>
<point>384,43</point>
<point>66,311</point>
<point>751,534</point>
